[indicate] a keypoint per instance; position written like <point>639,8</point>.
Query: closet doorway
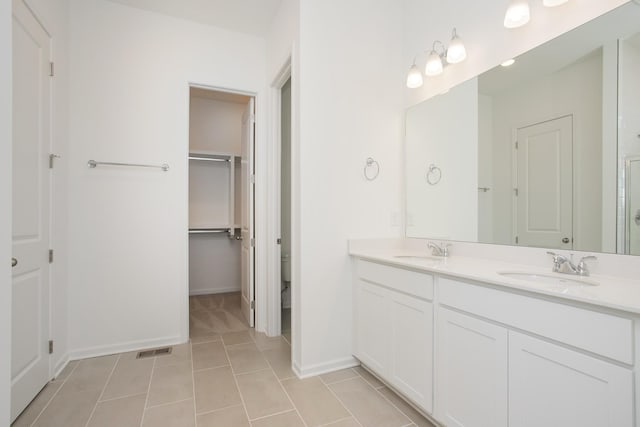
<point>221,211</point>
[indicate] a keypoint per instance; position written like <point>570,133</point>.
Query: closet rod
<point>208,230</point>
<point>92,164</point>
<point>208,159</point>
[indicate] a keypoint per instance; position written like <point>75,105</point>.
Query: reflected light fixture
<point>553,3</point>
<point>456,51</point>
<point>414,78</point>
<point>518,14</point>
<point>508,62</point>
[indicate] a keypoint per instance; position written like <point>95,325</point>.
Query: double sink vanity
<point>473,341</point>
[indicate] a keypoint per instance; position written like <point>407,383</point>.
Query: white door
<point>633,206</point>
<point>471,369</point>
<point>552,386</point>
<point>31,140</point>
<point>373,337</point>
<point>247,186</point>
<point>544,196</point>
<point>411,369</point>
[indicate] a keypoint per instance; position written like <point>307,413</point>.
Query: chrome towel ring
<point>371,169</point>
<point>434,174</point>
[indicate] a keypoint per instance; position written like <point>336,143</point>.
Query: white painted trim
<point>185,291</point>
<point>214,291</point>
<point>59,367</point>
<point>325,367</point>
<point>5,209</point>
<point>274,320</point>
<point>105,350</point>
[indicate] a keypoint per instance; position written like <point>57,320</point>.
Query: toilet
<point>285,273</point>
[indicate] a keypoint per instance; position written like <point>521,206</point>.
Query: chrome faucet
<point>562,264</point>
<point>439,250</point>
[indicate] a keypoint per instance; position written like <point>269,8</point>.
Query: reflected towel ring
<point>434,174</point>
<point>371,169</point>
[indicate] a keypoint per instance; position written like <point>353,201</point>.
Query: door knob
<point>565,240</point>
<point>14,262</point>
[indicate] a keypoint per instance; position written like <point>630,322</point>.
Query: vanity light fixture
<point>518,14</point>
<point>456,52</point>
<point>434,61</point>
<point>414,78</point>
<point>508,62</point>
<point>439,57</point>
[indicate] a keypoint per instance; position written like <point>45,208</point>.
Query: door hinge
<point>252,179</point>
<point>515,191</point>
<point>278,241</point>
<point>50,346</point>
<point>516,239</point>
<point>516,145</point>
<point>50,256</point>
<point>51,69</point>
<point>252,242</point>
<point>52,157</point>
<point>253,305</point>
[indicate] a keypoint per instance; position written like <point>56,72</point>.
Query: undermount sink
<point>419,257</point>
<point>547,279</point>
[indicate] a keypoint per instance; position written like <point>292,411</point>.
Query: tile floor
<point>227,375</point>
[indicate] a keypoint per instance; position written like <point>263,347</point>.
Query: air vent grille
<point>152,353</point>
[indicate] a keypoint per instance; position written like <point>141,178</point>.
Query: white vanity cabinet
<point>553,386</point>
<point>471,371</point>
<point>394,328</point>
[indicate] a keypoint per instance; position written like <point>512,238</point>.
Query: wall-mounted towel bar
<point>92,164</point>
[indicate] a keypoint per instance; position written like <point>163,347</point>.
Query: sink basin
<point>419,257</point>
<point>547,279</point>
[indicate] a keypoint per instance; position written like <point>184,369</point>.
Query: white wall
<point>54,16</point>
<point>575,90</point>
<point>488,43</point>
<point>443,132</point>
<point>5,210</point>
<point>215,125</point>
<point>350,109</point>
<point>129,103</point>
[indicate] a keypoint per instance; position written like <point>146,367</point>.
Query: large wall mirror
<point>544,152</point>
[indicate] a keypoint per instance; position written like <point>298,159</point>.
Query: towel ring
<point>371,169</point>
<point>434,174</point>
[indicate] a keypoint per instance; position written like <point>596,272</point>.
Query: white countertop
<point>617,293</point>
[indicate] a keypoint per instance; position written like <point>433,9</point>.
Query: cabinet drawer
<point>401,280</point>
<point>600,333</point>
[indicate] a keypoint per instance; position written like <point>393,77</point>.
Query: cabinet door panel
<point>412,349</point>
<point>553,386</point>
<point>374,331</point>
<point>471,370</point>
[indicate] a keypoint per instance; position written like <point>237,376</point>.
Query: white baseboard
<point>62,363</point>
<point>85,353</point>
<point>324,368</point>
<point>213,291</point>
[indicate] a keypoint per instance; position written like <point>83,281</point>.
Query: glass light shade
<point>518,14</point>
<point>434,64</point>
<point>553,3</point>
<point>508,62</point>
<point>414,78</point>
<point>456,52</point>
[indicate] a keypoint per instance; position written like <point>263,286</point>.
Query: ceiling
<point>244,16</point>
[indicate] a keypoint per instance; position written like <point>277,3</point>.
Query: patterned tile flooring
<point>226,375</point>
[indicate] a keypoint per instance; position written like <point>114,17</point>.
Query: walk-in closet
<point>220,211</point>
